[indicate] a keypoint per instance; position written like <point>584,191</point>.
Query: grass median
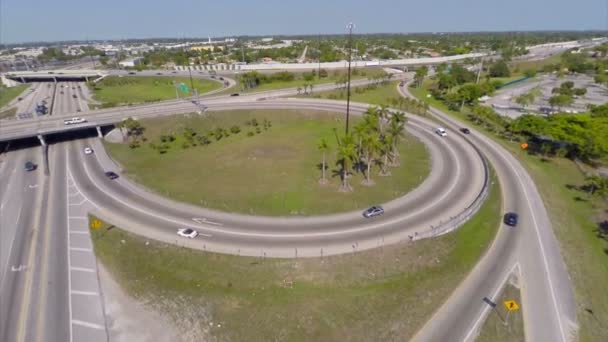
<point>115,90</point>
<point>8,94</point>
<point>576,217</point>
<point>262,171</point>
<point>383,294</point>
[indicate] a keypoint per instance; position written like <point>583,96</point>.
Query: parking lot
<point>504,103</point>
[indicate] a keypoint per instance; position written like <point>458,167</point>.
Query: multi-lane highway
<point>548,303</point>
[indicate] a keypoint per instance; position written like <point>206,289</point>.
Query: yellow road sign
<point>511,305</point>
<point>95,224</point>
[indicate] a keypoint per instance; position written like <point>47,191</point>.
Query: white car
<point>74,121</point>
<point>187,232</point>
<point>88,150</point>
<point>441,132</point>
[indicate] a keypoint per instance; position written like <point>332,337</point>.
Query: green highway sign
<point>184,88</point>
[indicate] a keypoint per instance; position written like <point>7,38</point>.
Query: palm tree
<point>382,116</point>
<point>395,132</point>
<point>310,85</point>
<point>371,143</point>
<point>347,154</point>
<point>323,146</point>
<point>360,131</point>
<point>386,147</point>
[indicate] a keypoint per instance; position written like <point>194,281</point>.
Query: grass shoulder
<point>383,294</point>
<point>115,90</point>
<point>8,94</point>
<point>225,162</point>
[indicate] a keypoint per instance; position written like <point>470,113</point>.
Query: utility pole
<point>319,59</point>
<point>350,27</point>
<point>479,71</point>
<point>242,52</point>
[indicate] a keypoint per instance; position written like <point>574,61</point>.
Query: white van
<point>74,121</point>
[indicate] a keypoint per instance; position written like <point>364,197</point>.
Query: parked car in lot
<point>441,132</point>
<point>373,211</point>
<point>111,175</point>
<point>74,121</point>
<point>88,150</point>
<point>29,166</point>
<point>465,130</point>
<point>187,232</point>
<point>510,219</point>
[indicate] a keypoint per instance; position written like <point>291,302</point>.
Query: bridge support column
<point>22,80</point>
<point>54,79</point>
<point>41,138</point>
<point>99,133</point>
<point>86,78</point>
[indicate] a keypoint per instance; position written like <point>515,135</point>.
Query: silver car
<point>373,211</point>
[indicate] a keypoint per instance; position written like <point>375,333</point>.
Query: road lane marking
<point>67,213</point>
<point>204,220</point>
<point>84,293</point>
<point>10,250</point>
<point>78,217</point>
<point>484,312</point>
<point>79,249</point>
<point>79,232</point>
<point>87,325</point>
<point>32,186</point>
<point>77,204</point>
<point>82,269</point>
<point>19,269</point>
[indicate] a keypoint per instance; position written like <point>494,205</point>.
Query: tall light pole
<point>350,27</point>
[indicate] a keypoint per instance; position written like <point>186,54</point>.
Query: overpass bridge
<point>52,76</point>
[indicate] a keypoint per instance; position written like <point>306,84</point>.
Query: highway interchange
<point>42,240</point>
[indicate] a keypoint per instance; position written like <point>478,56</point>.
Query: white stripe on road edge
<point>204,220</point>
<point>84,293</point>
<point>81,203</point>
<point>88,325</point>
<point>80,249</point>
<point>79,232</point>
<point>82,269</point>
<point>484,313</point>
<point>78,217</point>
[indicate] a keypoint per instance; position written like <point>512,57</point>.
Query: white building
<point>130,63</point>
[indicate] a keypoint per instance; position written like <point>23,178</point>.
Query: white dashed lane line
<point>87,319</point>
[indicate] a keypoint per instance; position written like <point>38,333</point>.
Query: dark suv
<point>111,175</point>
<point>29,166</point>
<point>510,219</point>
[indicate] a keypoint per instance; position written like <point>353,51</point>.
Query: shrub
<point>235,129</point>
<point>250,134</point>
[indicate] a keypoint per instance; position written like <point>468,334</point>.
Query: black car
<point>212,76</point>
<point>111,175</point>
<point>74,96</point>
<point>465,130</point>
<point>29,166</point>
<point>221,78</point>
<point>131,73</point>
<point>510,219</point>
<point>234,94</point>
<point>159,73</point>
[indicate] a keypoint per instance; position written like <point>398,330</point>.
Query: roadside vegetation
<point>383,294</point>
<point>270,162</point>
<point>115,91</point>
<point>562,156</point>
<point>305,82</point>
<point>8,94</point>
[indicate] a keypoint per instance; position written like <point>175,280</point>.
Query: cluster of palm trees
<point>373,142</point>
<point>305,87</point>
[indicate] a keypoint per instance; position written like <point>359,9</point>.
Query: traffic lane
<point>13,286</point>
<point>293,224</point>
<point>542,310</point>
<point>52,290</point>
<point>18,189</point>
<point>383,233</point>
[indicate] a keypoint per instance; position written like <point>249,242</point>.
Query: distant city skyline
<point>61,20</point>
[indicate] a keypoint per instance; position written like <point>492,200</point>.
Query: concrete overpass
<point>51,75</point>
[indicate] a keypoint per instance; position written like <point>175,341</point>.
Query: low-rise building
<point>130,63</point>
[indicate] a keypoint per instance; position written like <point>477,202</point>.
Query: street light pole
<point>350,27</point>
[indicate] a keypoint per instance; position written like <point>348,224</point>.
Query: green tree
<point>347,154</point>
<point>560,101</point>
<point>371,145</point>
<point>420,75</point>
<point>323,146</point>
<point>597,185</point>
<point>500,69</point>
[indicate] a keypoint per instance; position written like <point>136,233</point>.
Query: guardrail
<point>455,222</point>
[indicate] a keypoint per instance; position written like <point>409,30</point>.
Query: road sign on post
<point>511,305</point>
<point>184,88</point>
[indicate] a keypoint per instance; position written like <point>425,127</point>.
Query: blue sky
<point>51,20</point>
